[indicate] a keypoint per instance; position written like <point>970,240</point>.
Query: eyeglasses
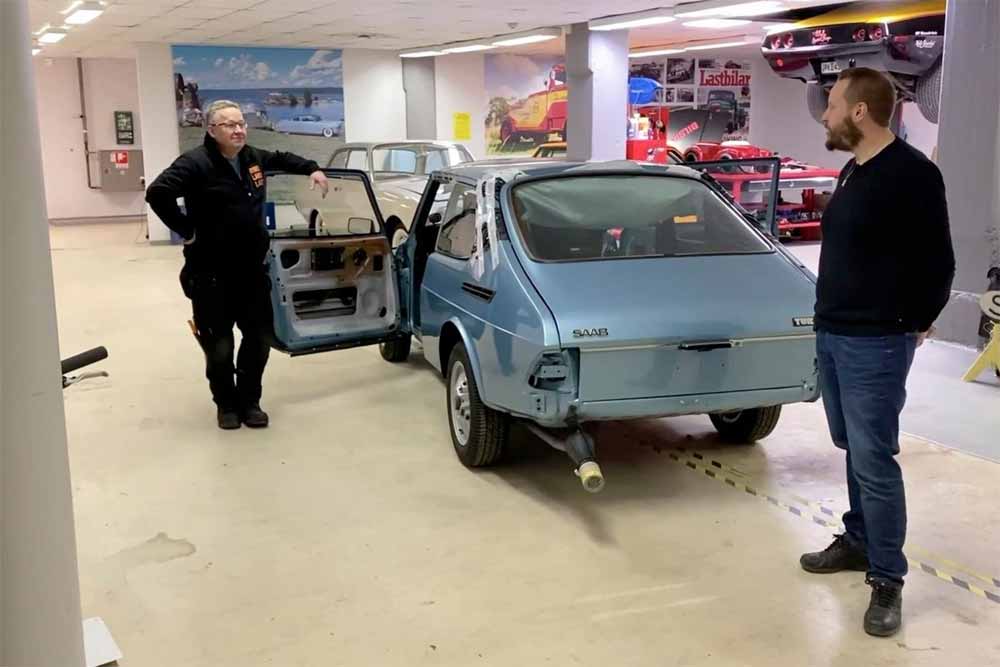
<point>232,125</point>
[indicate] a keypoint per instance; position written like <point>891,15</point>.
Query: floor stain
<point>902,645</point>
<point>159,549</point>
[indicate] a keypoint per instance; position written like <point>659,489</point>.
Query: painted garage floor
<point>349,534</point>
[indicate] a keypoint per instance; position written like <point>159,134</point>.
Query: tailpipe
<point>580,448</point>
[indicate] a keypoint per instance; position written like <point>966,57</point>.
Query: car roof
<point>535,167</point>
<point>402,142</point>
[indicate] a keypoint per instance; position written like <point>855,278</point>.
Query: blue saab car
<point>599,291</point>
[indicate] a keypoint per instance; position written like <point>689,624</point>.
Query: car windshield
<point>604,217</point>
<point>417,159</point>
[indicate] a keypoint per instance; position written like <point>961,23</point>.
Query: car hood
<point>675,299</point>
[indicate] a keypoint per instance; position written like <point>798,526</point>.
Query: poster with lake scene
<point>292,99</point>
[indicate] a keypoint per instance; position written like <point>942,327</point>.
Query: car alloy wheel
<point>399,237</point>
<point>461,406</point>
<point>730,417</point>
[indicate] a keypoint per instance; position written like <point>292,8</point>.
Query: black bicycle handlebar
<point>84,359</point>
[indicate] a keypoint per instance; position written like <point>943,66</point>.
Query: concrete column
<point>421,95</point>
<point>597,74</point>
<point>39,585</point>
<point>969,156</point>
<point>158,110</point>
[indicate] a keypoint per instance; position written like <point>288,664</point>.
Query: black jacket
<point>224,212</point>
<point>887,263</point>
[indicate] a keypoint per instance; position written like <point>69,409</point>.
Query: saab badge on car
<point>590,333</point>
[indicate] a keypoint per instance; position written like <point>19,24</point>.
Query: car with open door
<point>558,294</point>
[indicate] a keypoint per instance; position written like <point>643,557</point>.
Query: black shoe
<point>885,610</point>
<point>839,556</point>
<point>228,419</point>
<point>254,417</point>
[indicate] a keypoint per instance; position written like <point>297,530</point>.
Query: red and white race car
<point>711,151</point>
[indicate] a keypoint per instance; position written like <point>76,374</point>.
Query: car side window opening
<point>339,160</point>
<point>587,218</point>
<point>358,160</point>
<point>397,160</point>
<point>457,237</point>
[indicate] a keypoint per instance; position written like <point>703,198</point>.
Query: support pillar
<point>597,74</point>
<point>40,621</point>
<point>969,157</point>
<point>158,110</point>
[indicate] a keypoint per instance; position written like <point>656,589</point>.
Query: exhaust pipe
<point>580,448</point>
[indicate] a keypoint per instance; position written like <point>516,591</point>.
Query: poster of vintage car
<point>679,71</point>
<point>528,100</point>
<point>292,99</point>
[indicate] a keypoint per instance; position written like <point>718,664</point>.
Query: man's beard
<point>845,137</point>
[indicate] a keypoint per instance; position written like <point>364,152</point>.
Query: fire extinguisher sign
<point>120,159</point>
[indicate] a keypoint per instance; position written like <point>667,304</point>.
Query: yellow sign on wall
<point>462,123</point>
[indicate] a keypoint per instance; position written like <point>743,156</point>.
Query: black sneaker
<point>839,556</point>
<point>254,417</point>
<point>885,610</point>
<point>228,419</point>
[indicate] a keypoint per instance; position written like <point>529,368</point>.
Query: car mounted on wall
<point>707,151</point>
<point>398,171</point>
<point>551,319</point>
<point>310,123</point>
<point>903,39</point>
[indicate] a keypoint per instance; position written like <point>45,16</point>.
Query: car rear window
<point>605,217</point>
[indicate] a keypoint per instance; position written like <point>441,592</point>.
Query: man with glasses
<point>225,246</point>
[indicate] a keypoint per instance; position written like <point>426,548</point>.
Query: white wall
<point>780,120</point>
<point>374,102</point>
<point>918,131</point>
<point>460,81</point>
<point>109,85</point>
<point>159,114</point>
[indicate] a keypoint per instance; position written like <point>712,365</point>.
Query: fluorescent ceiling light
<point>421,54</point>
<point>532,37</point>
<point>52,36</point>
<point>716,24</point>
<point>740,10</point>
<point>42,29</point>
<point>468,48</point>
<point>718,45</point>
<point>636,20</point>
<point>81,12</point>
<point>655,52</point>
<point>35,51</point>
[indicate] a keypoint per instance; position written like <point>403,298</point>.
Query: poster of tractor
<point>528,100</point>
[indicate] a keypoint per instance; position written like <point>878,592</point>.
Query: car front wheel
<point>746,426</point>
<point>478,433</point>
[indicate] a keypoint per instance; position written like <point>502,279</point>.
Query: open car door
<point>752,184</point>
<point>332,271</point>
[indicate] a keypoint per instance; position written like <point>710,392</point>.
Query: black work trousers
<point>219,303</point>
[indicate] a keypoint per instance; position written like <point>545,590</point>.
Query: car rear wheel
<point>816,99</point>
<point>396,351</point>
<point>327,132</point>
<point>928,93</point>
<point>747,426</point>
<point>478,433</point>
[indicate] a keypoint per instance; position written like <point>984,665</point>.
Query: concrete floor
<point>349,534</point>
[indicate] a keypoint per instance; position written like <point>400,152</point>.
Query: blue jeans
<point>863,383</point>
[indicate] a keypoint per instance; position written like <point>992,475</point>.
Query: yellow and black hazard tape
<point>720,472</point>
<point>921,553</point>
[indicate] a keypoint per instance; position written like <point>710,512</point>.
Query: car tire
<point>928,93</point>
<point>816,99</point>
<point>747,426</point>
<point>478,433</point>
<point>396,232</point>
<point>328,132</point>
<point>396,351</point>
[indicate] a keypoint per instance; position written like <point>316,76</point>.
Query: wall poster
<point>528,99</point>
<point>292,99</point>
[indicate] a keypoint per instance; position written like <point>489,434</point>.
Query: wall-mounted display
<point>124,127</point>
<point>528,99</point>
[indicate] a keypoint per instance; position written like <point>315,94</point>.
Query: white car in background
<point>398,170</point>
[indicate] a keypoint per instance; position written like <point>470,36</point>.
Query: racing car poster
<point>292,99</point>
<point>528,99</point>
